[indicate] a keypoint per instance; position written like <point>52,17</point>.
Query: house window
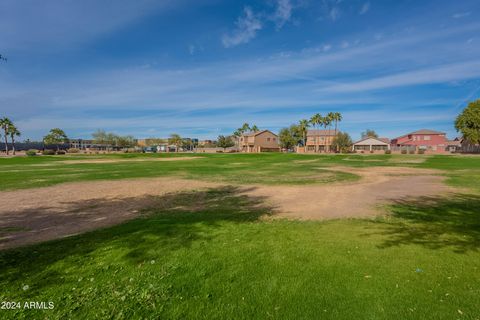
<point>274,139</point>
<point>426,138</point>
<point>268,139</point>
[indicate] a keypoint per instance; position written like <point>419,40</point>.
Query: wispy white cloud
<point>459,15</point>
<point>246,29</point>
<point>364,9</point>
<point>283,12</point>
<point>439,74</point>
<point>334,13</point>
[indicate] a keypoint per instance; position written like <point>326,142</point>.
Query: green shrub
<point>31,153</point>
<point>73,150</point>
<point>404,151</point>
<point>388,151</point>
<point>48,152</point>
<point>411,152</point>
<point>61,152</point>
<point>421,151</point>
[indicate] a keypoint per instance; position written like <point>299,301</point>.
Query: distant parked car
<point>149,150</point>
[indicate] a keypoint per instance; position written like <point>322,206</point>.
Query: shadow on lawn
<point>435,222</point>
<point>176,220</point>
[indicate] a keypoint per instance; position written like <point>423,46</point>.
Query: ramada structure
<point>260,141</point>
<point>371,144</point>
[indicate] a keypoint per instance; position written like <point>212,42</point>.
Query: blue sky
<point>202,68</point>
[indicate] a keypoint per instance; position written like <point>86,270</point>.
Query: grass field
<point>209,255</point>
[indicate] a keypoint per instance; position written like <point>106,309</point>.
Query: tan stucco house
<point>259,141</point>
<point>319,140</point>
<point>371,144</point>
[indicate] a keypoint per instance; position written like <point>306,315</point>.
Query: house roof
<point>321,132</point>
<point>454,143</point>
<point>426,131</point>
<point>253,134</point>
<point>382,140</point>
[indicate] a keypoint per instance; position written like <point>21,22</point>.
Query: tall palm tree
<point>13,132</point>
<point>5,123</point>
<point>303,127</point>
<point>245,127</point>
<point>331,118</point>
<point>326,122</point>
<point>254,128</point>
<point>315,120</point>
<point>337,118</point>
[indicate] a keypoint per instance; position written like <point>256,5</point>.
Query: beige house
<point>259,141</point>
<point>319,140</point>
<point>371,144</point>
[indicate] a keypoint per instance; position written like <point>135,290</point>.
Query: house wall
<point>319,143</point>
<point>265,141</point>
<point>433,142</point>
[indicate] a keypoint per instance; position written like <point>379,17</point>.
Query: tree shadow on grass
<point>435,223</point>
<point>175,221</point>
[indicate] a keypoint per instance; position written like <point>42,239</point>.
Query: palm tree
<point>254,128</point>
<point>315,120</point>
<point>303,127</point>
<point>14,132</point>
<point>5,123</point>
<point>326,121</point>
<point>245,127</point>
<point>331,118</point>
<point>337,117</point>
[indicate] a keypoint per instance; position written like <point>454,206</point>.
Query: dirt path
<point>34,215</point>
<point>378,185</point>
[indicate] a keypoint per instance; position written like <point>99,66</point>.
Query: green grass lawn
<point>28,172</point>
<point>208,255</point>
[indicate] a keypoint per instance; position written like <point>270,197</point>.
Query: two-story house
<point>428,140</point>
<point>319,140</point>
<point>259,141</point>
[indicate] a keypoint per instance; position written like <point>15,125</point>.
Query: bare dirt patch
<point>70,208</point>
<point>35,215</point>
<point>379,185</point>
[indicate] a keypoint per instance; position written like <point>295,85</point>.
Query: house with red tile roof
<point>424,139</point>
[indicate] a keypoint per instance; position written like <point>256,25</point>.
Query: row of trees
<point>110,139</point>
<point>9,131</point>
